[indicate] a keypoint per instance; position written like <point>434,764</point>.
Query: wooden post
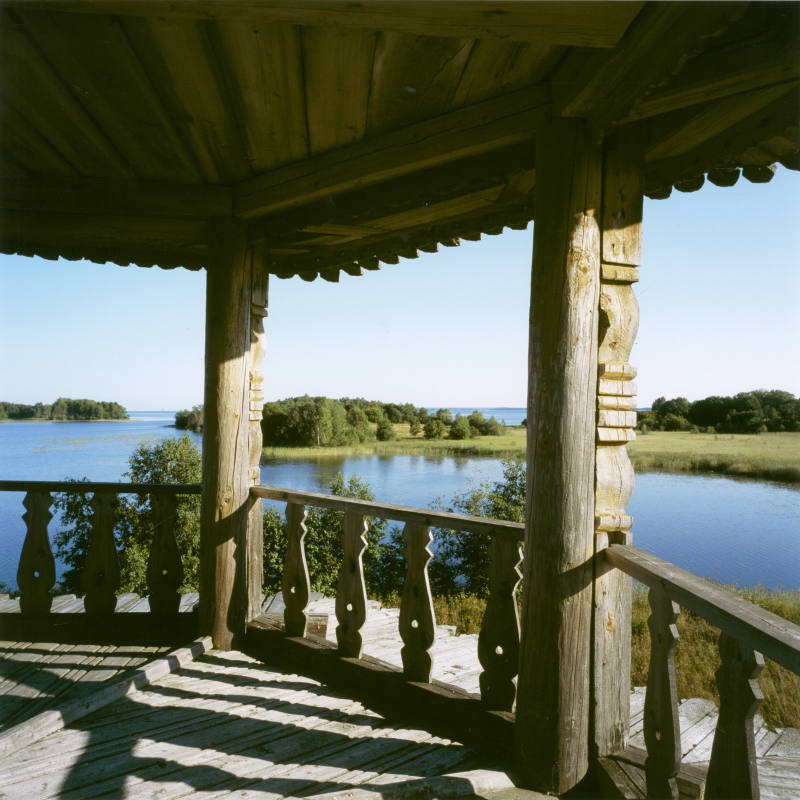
<point>258,348</point>
<point>226,458</point>
<point>616,419</point>
<point>553,701</point>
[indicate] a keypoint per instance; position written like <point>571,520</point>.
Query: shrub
<point>433,428</point>
<point>460,429</point>
<point>385,431</point>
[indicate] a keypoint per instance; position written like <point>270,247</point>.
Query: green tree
<point>385,431</point>
<point>169,461</point>
<point>190,420</point>
<point>433,428</point>
<point>415,427</point>
<point>460,429</point>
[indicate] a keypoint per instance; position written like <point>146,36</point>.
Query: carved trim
<point>296,582</point>
<point>351,591</point>
<point>101,575</point>
<point>417,620</point>
<point>36,573</point>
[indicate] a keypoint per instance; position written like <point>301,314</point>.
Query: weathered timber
<point>618,324</point>
<point>101,573</point>
<point>164,567</point>
<point>226,464</point>
<point>426,517</point>
<point>296,583</point>
<point>417,619</point>
<point>477,129</point>
<point>598,25</point>
<point>440,708</point>
<point>124,628</point>
<point>258,347</point>
<point>662,732</point>
<point>498,642</point>
<point>553,699</point>
<point>36,572</point>
<point>733,771</point>
<point>351,591</point>
<point>773,636</point>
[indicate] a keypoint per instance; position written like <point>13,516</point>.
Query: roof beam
<point>597,24</point>
<point>116,198</point>
<point>605,86</point>
<point>480,128</point>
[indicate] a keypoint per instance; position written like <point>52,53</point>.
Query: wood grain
<point>498,642</point>
<point>553,700</point>
<point>164,567</point>
<point>296,583</point>
<point>733,771</point>
<point>417,619</point>
<point>351,591</point>
<point>226,459</point>
<point>662,733</point>
<point>101,573</point>
<point>36,572</point>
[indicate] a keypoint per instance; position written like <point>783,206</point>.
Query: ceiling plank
<point>118,198</point>
<point>476,129</point>
<point>596,24</point>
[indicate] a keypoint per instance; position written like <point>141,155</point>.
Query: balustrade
<point>36,574</point>
<point>747,632</point>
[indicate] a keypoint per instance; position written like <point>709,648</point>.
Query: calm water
<point>743,532</point>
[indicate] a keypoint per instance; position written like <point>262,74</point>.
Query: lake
<point>743,532</point>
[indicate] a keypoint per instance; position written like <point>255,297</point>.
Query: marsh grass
<point>766,456</point>
<point>696,657</point>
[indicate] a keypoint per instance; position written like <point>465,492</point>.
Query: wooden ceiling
<point>352,134</point>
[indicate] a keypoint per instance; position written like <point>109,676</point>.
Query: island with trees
<point>65,409</point>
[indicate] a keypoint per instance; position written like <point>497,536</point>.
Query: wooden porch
<point>262,139</point>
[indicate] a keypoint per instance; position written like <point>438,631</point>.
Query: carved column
<point>258,348</point>
<point>226,456</point>
<point>553,698</point>
<point>616,420</point>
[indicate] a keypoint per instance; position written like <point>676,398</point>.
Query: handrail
<point>775,637</point>
<point>99,486</point>
<point>514,531</point>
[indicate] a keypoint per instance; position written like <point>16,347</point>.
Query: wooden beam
<point>117,198</point>
<point>474,130</point>
<point>605,86</point>
<point>599,24</point>
<point>360,208</point>
<point>554,698</point>
<point>226,461</point>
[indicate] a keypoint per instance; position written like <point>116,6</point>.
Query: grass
<point>696,657</point>
<point>766,456</point>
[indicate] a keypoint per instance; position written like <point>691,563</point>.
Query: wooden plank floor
<point>226,723</point>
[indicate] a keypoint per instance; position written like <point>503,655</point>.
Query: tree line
<point>65,408</point>
<point>323,422</point>
<point>747,412</point>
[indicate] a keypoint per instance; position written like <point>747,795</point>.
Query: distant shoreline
<point>31,419</point>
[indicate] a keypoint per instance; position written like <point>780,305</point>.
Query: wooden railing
<point>498,642</point>
<point>36,573</point>
<point>748,634</point>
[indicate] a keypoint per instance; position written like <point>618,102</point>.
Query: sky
<point>719,294</point>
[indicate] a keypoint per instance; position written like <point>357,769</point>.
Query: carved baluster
<point>732,771</point>
<point>296,583</point>
<point>36,573</point>
<point>351,592</point>
<point>164,567</point>
<point>616,419</point>
<point>258,349</point>
<point>101,575</point>
<point>417,621</point>
<point>498,643</point>
<point>662,733</point>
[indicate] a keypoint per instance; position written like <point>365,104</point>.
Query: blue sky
<point>719,296</point>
